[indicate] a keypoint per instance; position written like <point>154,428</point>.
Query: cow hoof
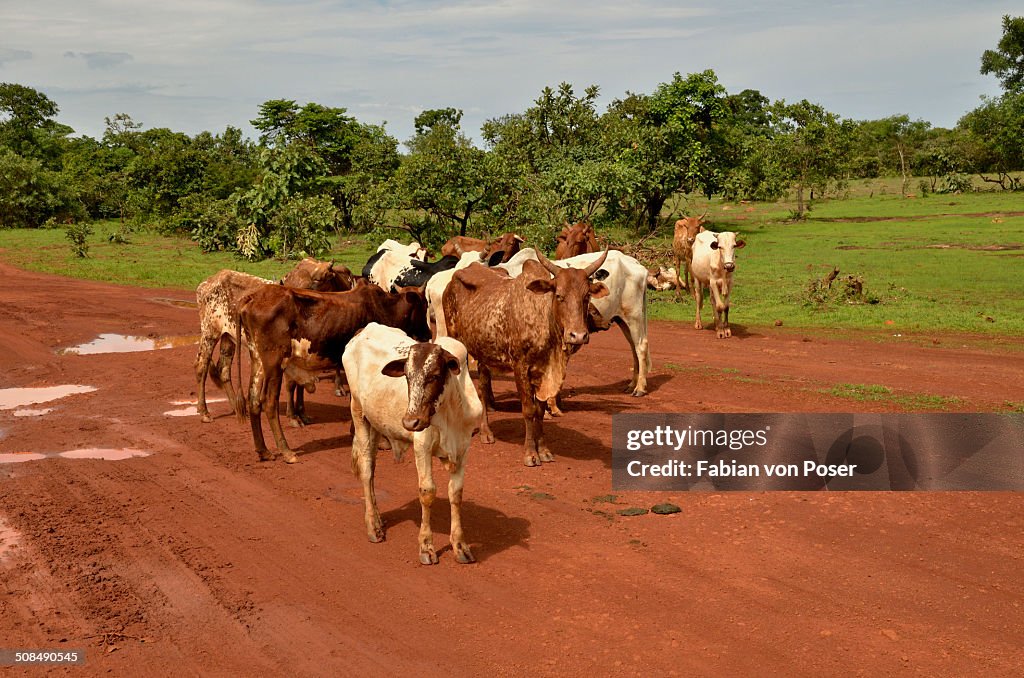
<point>722,334</point>
<point>546,456</point>
<point>463,554</point>
<point>375,537</point>
<point>290,458</point>
<point>265,455</point>
<point>338,392</point>
<point>205,417</point>
<point>639,393</point>
<point>487,438</point>
<point>295,422</point>
<point>531,460</point>
<point>428,557</point>
<point>698,326</point>
<point>728,332</point>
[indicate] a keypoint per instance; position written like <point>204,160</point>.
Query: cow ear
<point>740,243</point>
<point>421,265</point>
<point>395,368</point>
<point>451,362</point>
<point>598,290</point>
<point>714,244</point>
<point>541,286</point>
<point>496,258</point>
<point>601,274</point>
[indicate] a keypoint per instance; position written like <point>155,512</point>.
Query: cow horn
<point>330,266</point>
<point>590,270</point>
<point>552,269</point>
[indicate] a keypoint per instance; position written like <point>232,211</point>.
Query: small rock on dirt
<point>632,511</point>
<point>665,509</point>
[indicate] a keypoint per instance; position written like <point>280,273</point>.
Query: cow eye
<point>560,297</point>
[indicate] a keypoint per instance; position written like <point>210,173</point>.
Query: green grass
<point>928,274</point>
<point>149,260</point>
<point>879,393</point>
<point>925,263</point>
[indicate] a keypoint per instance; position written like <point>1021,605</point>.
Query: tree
<point>444,176</point>
<point>814,145</point>
<point>27,124</point>
<point>669,141</point>
<point>357,157</point>
<point>1006,62</point>
<point>996,129</point>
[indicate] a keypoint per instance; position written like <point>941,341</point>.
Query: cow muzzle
<point>415,423</point>
<point>730,266</point>
<point>577,339</point>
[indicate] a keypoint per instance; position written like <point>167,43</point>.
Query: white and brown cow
<point>417,394</point>
<point>714,261</point>
<point>217,300</point>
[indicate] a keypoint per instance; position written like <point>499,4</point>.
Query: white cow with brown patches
<point>419,394</point>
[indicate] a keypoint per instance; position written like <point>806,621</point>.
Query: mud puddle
<point>14,398</point>
<point>122,343</point>
<point>192,407</point>
<point>179,303</point>
<point>104,453</point>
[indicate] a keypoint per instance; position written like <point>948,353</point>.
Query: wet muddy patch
<point>122,343</point>
<point>104,453</point>
<point>9,540</point>
<point>177,303</point>
<point>14,398</point>
<point>33,412</point>
<point>192,407</point>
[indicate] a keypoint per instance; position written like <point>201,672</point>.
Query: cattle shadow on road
<point>489,530</point>
<point>562,438</point>
<point>738,331</point>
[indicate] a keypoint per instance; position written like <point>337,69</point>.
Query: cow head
<point>507,244</point>
<point>426,369</point>
<point>328,277</point>
<point>689,227</point>
<point>577,239</point>
<point>572,290</point>
<point>726,244</point>
<point>412,308</point>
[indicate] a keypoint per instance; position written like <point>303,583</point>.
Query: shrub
<point>77,234</point>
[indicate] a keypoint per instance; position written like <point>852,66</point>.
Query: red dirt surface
<point>201,560</point>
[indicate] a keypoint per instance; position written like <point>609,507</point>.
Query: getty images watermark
<point>811,451</point>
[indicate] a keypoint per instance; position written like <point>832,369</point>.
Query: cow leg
<point>273,396</point>
<point>456,477</point>
<point>486,435</point>
<point>679,278</point>
<point>364,462</point>
<point>340,384</point>
<point>641,355</point>
<point>553,406</point>
<point>428,491</point>
<point>295,407</point>
<point>228,346</point>
<point>534,450</point>
<point>486,392</point>
<point>719,306</point>
<point>256,384</point>
<point>698,299</point>
<point>202,368</point>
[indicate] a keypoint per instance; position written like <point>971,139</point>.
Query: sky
<point>194,65</point>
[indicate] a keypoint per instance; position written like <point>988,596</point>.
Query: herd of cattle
<point>403,332</point>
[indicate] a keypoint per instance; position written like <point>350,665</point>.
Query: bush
<point>212,223</point>
<point>77,234</point>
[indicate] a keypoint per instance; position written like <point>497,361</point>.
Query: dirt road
<point>199,560</point>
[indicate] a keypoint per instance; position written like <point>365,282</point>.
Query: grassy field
<point>950,263</point>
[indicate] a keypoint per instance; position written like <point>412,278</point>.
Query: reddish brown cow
<point>530,325</point>
<point>323,276</point>
<point>508,243</point>
<point>575,240</point>
<point>301,333</point>
<point>686,231</point>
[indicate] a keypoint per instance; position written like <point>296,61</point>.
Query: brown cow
<point>575,240</point>
<point>217,299</point>
<point>302,332</point>
<point>530,325</point>
<point>686,231</point>
<point>508,243</point>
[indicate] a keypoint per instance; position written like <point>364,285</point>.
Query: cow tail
<point>241,393</point>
